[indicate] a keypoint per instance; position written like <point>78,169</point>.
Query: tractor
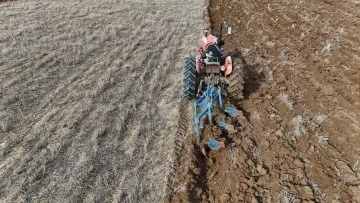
<point>209,76</point>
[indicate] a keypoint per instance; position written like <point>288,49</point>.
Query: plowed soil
<point>298,139</point>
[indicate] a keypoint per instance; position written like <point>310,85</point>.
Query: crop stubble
<point>89,97</point>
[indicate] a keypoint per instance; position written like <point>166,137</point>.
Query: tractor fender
<point>211,39</point>
<point>227,66</point>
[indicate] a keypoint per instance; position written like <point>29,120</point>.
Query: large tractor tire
<point>236,82</point>
<point>189,78</point>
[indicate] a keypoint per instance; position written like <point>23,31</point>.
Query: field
<point>299,138</point>
<point>89,97</point>
<point>90,107</point>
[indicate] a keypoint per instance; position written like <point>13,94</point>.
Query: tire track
<point>179,144</point>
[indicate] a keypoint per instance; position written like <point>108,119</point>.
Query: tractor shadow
<point>252,77</point>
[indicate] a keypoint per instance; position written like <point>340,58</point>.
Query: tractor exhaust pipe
<point>206,32</point>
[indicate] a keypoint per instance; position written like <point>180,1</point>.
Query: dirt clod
<point>261,170</point>
<point>197,171</point>
<point>224,198</point>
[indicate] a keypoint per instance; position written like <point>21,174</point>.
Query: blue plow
<point>204,105</point>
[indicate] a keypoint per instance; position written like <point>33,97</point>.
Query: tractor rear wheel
<point>236,82</point>
<point>189,78</point>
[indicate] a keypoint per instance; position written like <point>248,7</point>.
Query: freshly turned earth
<point>298,139</point>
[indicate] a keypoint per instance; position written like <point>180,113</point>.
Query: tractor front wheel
<point>189,78</point>
<point>236,82</point>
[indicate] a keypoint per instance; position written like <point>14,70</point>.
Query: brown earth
<point>298,139</point>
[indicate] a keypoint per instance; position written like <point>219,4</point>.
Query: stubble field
<point>89,97</point>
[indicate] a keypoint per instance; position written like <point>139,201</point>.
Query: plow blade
<point>214,144</point>
<point>232,112</point>
<point>204,108</point>
<point>228,127</point>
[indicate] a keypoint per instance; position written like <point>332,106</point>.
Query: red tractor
<point>210,75</point>
<point>211,66</point>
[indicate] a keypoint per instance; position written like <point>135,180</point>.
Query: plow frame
<point>204,104</point>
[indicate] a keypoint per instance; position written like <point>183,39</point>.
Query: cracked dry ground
<point>298,140</point>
